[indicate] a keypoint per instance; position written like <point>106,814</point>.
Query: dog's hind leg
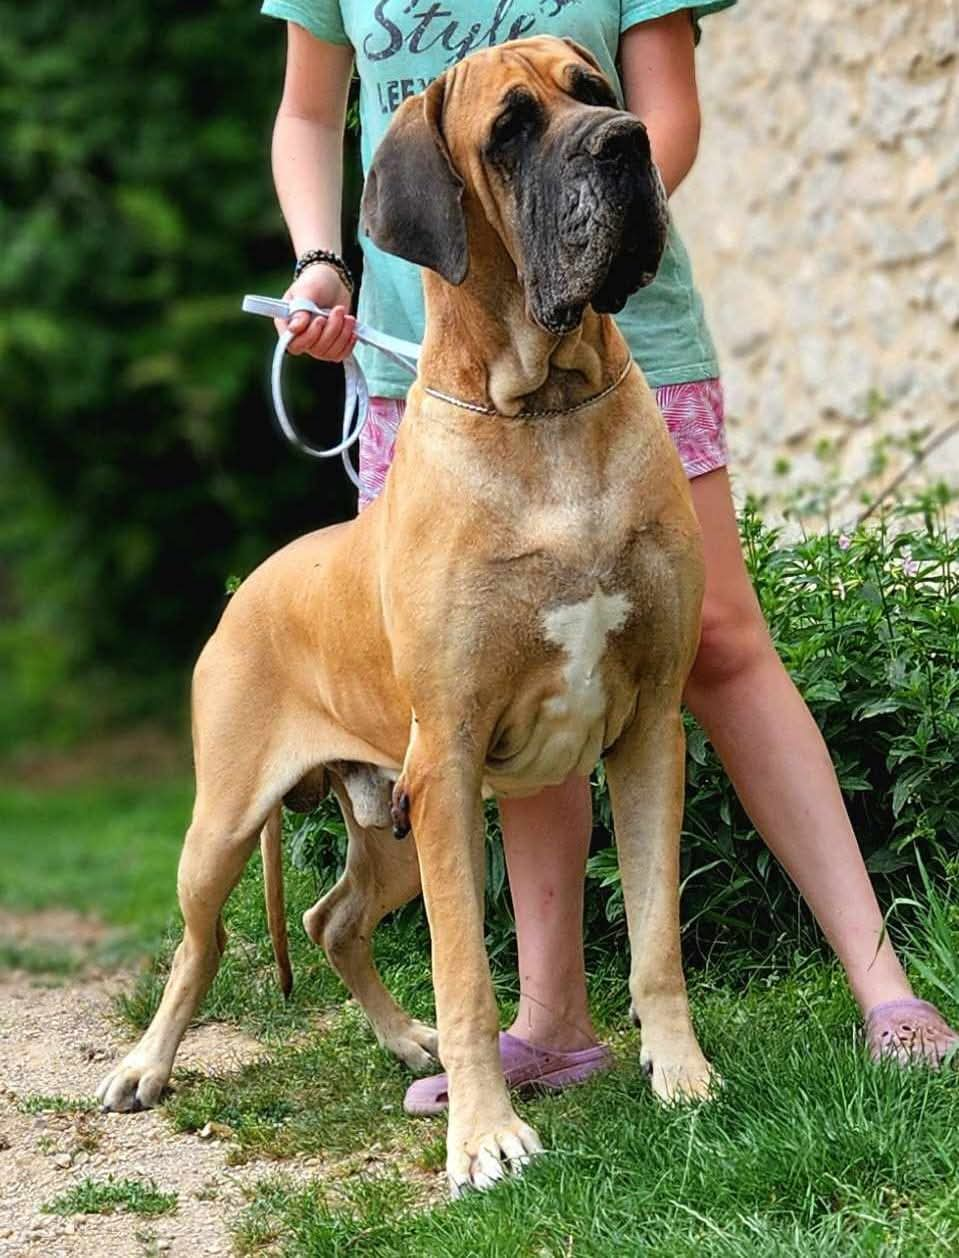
<point>215,850</point>
<point>381,875</point>
<point>239,755</point>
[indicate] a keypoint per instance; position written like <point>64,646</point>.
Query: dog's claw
<point>400,814</point>
<point>131,1088</point>
<point>415,1044</point>
<point>475,1167</point>
<point>684,1079</point>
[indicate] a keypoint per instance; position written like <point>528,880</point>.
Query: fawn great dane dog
<point>523,598</point>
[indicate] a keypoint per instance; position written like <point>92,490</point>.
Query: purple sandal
<point>526,1067</point>
<point>909,1032</point>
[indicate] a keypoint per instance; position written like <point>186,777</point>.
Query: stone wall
<point>822,218</point>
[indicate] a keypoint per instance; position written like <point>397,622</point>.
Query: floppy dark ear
<point>584,53</point>
<point>412,201</point>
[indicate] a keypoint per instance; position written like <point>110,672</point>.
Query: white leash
<point>356,407</point>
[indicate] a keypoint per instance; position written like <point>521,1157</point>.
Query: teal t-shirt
<point>402,45</point>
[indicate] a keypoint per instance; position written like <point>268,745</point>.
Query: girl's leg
<point>775,756</point>
<point>546,841</point>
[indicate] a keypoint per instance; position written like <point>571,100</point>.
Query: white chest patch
<point>567,732</point>
<point>581,629</point>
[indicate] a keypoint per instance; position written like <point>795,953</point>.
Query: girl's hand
<point>330,339</point>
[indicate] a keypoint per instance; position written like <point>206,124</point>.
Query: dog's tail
<point>271,850</point>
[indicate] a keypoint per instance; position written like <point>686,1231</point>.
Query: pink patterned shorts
<point>693,414</point>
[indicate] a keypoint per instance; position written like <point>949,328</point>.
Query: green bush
<point>868,627</point>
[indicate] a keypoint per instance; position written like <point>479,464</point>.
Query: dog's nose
<point>623,139</point>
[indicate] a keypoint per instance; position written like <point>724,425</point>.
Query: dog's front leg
<point>646,773</point>
<point>440,787</point>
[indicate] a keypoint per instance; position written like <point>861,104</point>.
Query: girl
<point>738,690</point>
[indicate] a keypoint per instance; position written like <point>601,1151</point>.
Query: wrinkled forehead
<point>480,85</point>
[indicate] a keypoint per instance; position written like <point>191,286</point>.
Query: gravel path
<point>58,1040</point>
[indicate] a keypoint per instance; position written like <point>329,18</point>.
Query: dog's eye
<point>520,116</point>
<point>590,89</point>
<point>508,126</point>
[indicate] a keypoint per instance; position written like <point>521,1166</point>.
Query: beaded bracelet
<point>314,256</point>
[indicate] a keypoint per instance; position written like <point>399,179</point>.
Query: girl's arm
<point>659,81</point>
<point>308,139</point>
<point>308,173</point>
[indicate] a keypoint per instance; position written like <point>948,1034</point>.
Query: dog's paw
<point>479,1162</point>
<point>681,1078</point>
<point>415,1044</point>
<point>132,1086</point>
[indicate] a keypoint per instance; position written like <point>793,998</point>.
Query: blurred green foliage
<point>138,463</point>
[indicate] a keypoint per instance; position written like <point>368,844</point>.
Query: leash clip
<point>356,405</point>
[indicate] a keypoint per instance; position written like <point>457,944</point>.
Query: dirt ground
<point>57,1038</point>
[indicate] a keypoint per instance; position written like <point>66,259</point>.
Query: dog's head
<point>527,139</point>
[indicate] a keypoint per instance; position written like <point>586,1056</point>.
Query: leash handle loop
<point>357,400</point>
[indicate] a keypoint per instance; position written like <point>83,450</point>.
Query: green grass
<point>808,1150</point>
<point>41,1104</point>
<point>104,850</point>
<point>245,990</point>
<point>109,1196</point>
<point>44,959</point>
<point>331,1093</point>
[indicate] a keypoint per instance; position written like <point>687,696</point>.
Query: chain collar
<point>490,410</point>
